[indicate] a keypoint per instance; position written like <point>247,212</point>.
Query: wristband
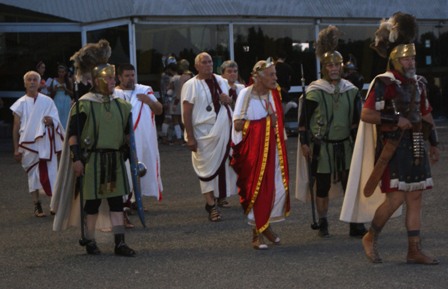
<point>389,118</point>
<point>74,153</point>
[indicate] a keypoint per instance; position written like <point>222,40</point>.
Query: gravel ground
<point>180,248</point>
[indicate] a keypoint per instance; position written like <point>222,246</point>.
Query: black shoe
<point>357,230</point>
<point>124,250</point>
<point>92,248</point>
<point>323,228</point>
<point>121,248</point>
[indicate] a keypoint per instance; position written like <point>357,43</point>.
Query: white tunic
<point>212,133</point>
<point>145,139</point>
<point>37,141</point>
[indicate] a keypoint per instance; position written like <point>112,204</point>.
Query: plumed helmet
<point>92,59</point>
<point>395,38</point>
<point>90,56</point>
<point>326,45</point>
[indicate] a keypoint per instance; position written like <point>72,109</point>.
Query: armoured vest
<point>407,103</point>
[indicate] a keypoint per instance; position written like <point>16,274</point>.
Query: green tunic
<point>334,113</point>
<point>102,137</point>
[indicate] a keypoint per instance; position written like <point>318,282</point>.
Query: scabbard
<point>380,165</point>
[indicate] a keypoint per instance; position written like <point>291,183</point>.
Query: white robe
<point>37,141</point>
<point>212,133</point>
<point>145,139</point>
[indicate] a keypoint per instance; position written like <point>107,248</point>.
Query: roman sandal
<point>38,211</point>
<point>213,213</point>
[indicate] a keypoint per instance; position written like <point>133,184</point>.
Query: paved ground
<point>181,249</point>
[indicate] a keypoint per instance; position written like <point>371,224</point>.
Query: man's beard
<point>128,86</point>
<point>409,73</point>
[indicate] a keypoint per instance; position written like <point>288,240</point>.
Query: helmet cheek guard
<point>100,72</point>
<point>331,57</point>
<point>400,51</point>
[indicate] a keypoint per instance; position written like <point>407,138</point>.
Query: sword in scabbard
<point>310,163</point>
<point>381,163</point>
<point>79,180</point>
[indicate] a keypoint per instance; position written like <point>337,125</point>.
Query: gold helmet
<point>326,45</point>
<point>394,39</point>
<point>92,59</point>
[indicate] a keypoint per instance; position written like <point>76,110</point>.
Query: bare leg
<point>413,223</point>
<point>211,207</point>
<point>413,210</point>
<point>38,211</point>
<point>382,215</point>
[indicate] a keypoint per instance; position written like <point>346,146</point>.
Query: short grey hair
<point>198,57</point>
<point>29,73</point>
<point>228,64</point>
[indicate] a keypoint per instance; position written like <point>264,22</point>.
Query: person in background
<point>37,138</point>
<point>284,73</point>
<point>207,117</point>
<point>352,74</point>
<point>170,69</point>
<point>144,109</point>
<point>61,90</point>
<point>173,108</point>
<point>229,71</point>
<point>43,87</point>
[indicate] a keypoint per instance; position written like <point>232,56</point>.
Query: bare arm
<point>188,123</point>
<point>155,106</point>
<point>372,116</point>
<point>434,153</point>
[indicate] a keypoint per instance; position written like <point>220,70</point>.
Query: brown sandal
<point>127,222</point>
<point>38,211</point>
<point>271,236</point>
<point>223,203</point>
<point>213,213</point>
<point>258,241</point>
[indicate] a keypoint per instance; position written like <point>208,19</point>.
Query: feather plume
<point>401,28</point>
<point>327,40</point>
<point>91,55</point>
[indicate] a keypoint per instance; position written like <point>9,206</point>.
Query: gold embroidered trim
<point>263,165</point>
